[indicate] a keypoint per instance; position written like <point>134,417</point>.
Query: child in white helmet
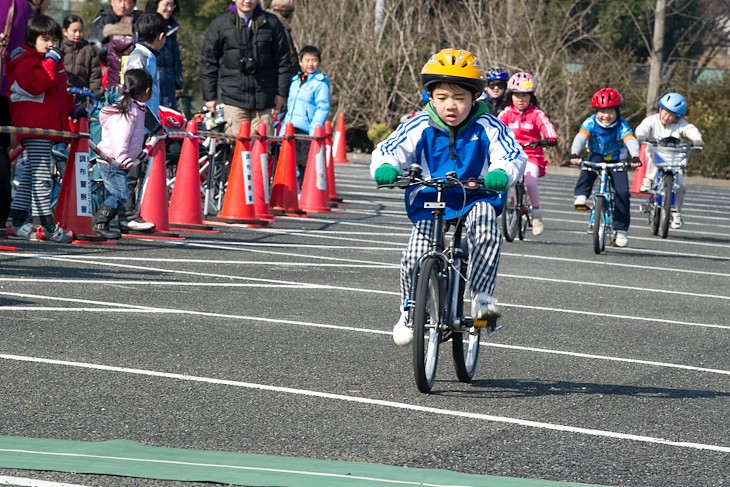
<point>669,122</point>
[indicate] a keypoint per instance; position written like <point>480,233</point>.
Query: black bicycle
<point>516,217</point>
<point>436,303</point>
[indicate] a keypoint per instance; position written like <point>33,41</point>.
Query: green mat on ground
<point>131,459</point>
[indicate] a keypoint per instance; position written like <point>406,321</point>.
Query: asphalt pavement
<point>610,369</point>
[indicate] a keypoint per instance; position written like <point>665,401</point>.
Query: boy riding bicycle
<point>453,134</point>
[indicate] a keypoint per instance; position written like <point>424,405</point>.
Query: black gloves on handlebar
<point>635,162</point>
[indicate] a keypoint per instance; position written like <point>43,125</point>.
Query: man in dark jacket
<point>110,15</point>
<point>245,56</point>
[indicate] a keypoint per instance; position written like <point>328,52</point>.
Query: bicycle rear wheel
<point>666,211</point>
<point>600,229</point>
<point>510,215</point>
<point>426,319</point>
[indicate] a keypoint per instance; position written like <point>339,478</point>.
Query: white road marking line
<point>28,482</point>
<point>376,402</point>
<point>142,309</point>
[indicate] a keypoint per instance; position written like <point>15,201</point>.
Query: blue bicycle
<point>670,156</point>
<point>600,223</point>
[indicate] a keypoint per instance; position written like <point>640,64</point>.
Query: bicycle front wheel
<point>465,344</point>
<point>426,318</point>
<point>600,228</point>
<point>510,215</point>
<point>666,212</point>
<point>654,214</point>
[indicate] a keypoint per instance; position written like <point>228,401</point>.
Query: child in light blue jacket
<point>308,104</point>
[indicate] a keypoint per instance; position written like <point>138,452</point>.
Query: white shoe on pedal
<point>484,307</point>
<point>676,220</point>
<point>537,226</point>
<point>645,185</point>
<point>580,202</point>
<point>402,333</point>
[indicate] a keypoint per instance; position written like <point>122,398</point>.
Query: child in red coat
<point>38,99</point>
<point>530,125</point>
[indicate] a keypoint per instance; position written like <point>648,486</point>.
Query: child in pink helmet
<point>529,124</point>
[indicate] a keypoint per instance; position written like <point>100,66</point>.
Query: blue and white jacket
<point>481,144</point>
<point>308,104</point>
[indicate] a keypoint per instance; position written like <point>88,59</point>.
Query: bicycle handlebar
<point>412,177</point>
<point>540,143</point>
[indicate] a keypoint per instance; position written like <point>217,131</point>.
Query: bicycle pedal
<point>493,327</point>
<point>480,323</point>
<point>582,207</point>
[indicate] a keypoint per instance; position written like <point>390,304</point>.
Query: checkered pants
<point>481,230</point>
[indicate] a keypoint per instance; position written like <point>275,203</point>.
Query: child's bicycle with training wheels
<point>516,217</point>
<point>436,303</point>
<point>670,156</point>
<point>600,222</point>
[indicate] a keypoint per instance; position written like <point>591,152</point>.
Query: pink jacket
<point>530,126</point>
<point>122,136</point>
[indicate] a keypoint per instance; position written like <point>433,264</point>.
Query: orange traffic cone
<point>285,191</point>
<point>339,144</point>
<point>315,197</point>
<point>153,206</point>
<point>185,204</point>
<point>238,202</point>
<point>639,174</point>
<point>74,207</point>
<point>331,189</point>
<point>260,166</point>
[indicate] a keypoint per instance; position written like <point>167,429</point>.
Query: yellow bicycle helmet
<point>454,66</point>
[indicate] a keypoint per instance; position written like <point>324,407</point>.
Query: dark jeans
<point>302,154</point>
<point>135,176</point>
<point>5,189</point>
<point>619,182</point>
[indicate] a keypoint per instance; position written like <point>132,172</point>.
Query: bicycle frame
<point>603,202</point>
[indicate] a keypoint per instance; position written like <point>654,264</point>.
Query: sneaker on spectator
<point>580,202</point>
<point>137,225</point>
<point>645,185</point>
<point>26,231</point>
<point>622,239</point>
<point>402,333</point>
<point>59,235</point>
<point>677,220</point>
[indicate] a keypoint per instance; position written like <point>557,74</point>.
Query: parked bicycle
<point>516,217</point>
<point>670,156</point>
<point>436,303</point>
<point>600,222</point>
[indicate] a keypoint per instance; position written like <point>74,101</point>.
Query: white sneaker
<point>537,226</point>
<point>27,231</point>
<point>645,185</point>
<point>622,239</point>
<point>580,202</point>
<point>484,307</point>
<point>402,333</point>
<point>676,220</point>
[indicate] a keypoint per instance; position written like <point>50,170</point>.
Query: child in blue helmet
<point>495,91</point>
<point>669,122</point>
<point>453,134</point>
